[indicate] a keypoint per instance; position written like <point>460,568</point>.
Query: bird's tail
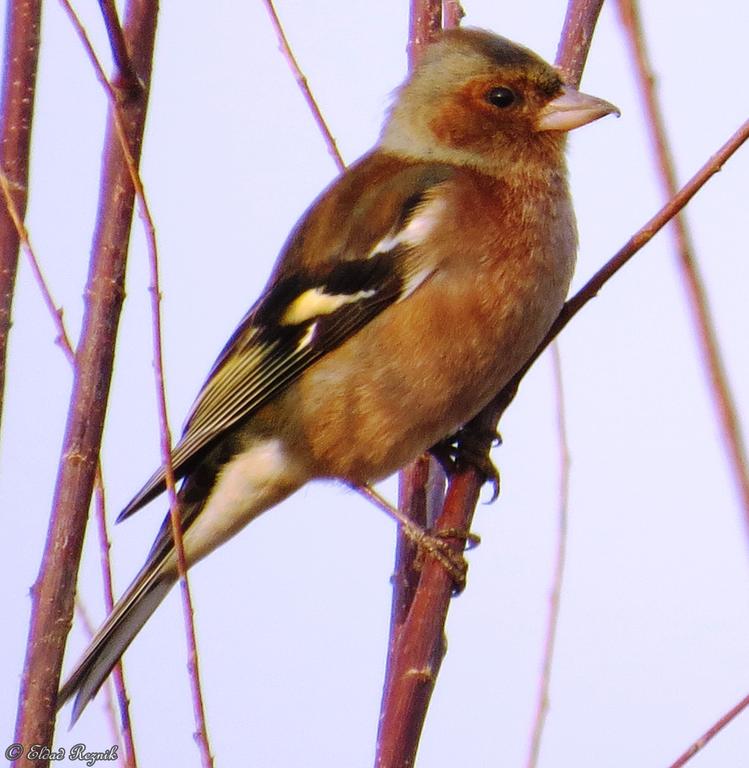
<point>133,609</point>
<point>129,614</point>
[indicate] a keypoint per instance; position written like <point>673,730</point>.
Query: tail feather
<point>127,618</point>
<point>132,610</point>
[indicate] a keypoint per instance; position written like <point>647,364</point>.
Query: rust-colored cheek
<point>466,120</point>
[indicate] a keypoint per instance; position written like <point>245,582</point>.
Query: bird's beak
<point>571,110</point>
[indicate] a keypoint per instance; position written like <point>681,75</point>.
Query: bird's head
<point>479,99</point>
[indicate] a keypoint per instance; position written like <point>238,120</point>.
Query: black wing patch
<point>296,323</point>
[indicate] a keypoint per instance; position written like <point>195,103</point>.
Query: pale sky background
<point>293,614</point>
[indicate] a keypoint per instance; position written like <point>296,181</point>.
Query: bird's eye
<point>501,97</point>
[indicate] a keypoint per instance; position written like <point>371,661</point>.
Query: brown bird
<point>407,296</point>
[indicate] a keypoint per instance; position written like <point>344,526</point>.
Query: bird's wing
<point>306,313</point>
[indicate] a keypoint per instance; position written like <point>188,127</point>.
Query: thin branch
<point>52,594</point>
<point>417,644</point>
<point>201,735</point>
<point>711,732</point>
<point>645,234</point>
<point>106,573</point>
<point>555,597</point>
<point>428,610</point>
<point>125,77</point>
<point>165,435</point>
<point>62,340</point>
<point>699,305</point>
<point>304,87</point>
<point>22,26</point>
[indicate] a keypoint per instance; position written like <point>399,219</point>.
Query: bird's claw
<point>472,540</point>
<point>468,447</point>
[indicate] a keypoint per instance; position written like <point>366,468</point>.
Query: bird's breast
<point>428,364</point>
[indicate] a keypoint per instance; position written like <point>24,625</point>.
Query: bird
<point>408,294</point>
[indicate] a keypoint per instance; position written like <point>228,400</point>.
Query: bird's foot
<point>440,545</point>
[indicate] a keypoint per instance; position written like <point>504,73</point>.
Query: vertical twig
<point>423,479</point>
<point>201,734</point>
<point>22,24</point>
<point>106,574</point>
<point>555,598</point>
<point>52,594</point>
<point>413,502</point>
<point>699,304</point>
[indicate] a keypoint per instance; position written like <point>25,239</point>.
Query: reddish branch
<point>63,340</point>
<point>710,733</point>
<point>690,272</point>
<point>193,667</point>
<point>16,112</point>
<point>52,594</point>
<point>413,501</point>
<point>635,243</point>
